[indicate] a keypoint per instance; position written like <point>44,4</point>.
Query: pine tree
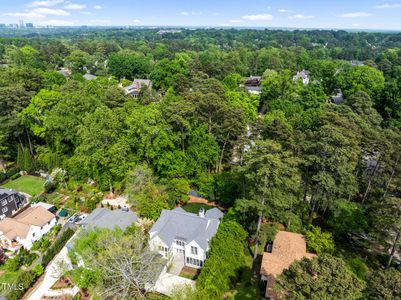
<point>28,164</point>
<point>20,158</point>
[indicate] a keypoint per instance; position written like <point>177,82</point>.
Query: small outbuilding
<point>287,248</point>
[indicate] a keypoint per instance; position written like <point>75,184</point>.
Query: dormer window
<point>180,243</point>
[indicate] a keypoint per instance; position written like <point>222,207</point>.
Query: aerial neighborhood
<point>198,163</point>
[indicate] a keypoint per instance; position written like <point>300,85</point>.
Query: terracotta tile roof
<point>19,225</point>
<point>34,215</point>
<point>287,248</point>
<point>11,228</point>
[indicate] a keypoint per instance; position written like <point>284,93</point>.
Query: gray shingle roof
<point>193,193</point>
<point>88,76</point>
<point>253,88</point>
<point>106,218</point>
<point>64,72</point>
<point>338,98</point>
<point>179,224</point>
<point>6,192</point>
<point>214,213</point>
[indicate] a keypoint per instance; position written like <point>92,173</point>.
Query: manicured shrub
<point>15,176</point>
<point>3,177</point>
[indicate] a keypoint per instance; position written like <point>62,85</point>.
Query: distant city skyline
<point>369,14</point>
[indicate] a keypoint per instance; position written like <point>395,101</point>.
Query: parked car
<point>80,219</point>
<point>73,219</point>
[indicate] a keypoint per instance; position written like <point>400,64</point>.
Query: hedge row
<point>57,246</point>
<point>28,278</point>
<point>9,174</point>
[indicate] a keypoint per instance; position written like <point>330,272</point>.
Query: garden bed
<point>190,273</point>
<point>62,283</point>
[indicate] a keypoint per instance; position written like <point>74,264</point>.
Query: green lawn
<point>195,207</point>
<point>27,184</point>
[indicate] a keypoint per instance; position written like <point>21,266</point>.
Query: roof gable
<point>179,224</point>
<point>107,218</point>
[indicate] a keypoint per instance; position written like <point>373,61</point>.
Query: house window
<point>164,249</point>
<point>4,210</point>
<point>194,250</point>
<point>194,262</point>
<point>180,243</point>
<point>33,234</point>
<point>4,202</point>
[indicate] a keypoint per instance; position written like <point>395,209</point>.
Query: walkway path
<point>178,264</point>
<point>52,273</point>
<point>168,282</point>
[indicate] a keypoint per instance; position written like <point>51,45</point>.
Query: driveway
<point>120,200</point>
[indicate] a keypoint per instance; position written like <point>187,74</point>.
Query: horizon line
<point>207,27</point>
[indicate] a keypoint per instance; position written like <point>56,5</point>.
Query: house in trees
<point>135,88</point>
<point>65,72</point>
<point>252,85</point>
<point>287,248</point>
<point>25,228</point>
<point>338,98</point>
<point>357,63</point>
<point>10,202</point>
<point>89,76</point>
<point>303,75</point>
<point>183,236</point>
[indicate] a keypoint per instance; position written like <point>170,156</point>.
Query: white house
<point>178,233</point>
<point>304,75</point>
<point>26,228</point>
<point>135,88</point>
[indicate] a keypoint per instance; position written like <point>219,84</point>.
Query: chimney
<point>201,212</point>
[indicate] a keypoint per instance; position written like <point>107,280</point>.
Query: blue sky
<point>357,14</point>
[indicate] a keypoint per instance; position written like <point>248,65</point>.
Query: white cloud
<point>50,11</point>
<point>46,3</point>
<point>283,10</point>
<point>237,21</point>
<point>26,15</point>
<point>259,17</point>
<point>356,25</point>
<point>73,6</point>
<point>192,13</point>
<point>300,17</point>
<point>136,21</point>
<point>87,13</point>
<point>97,7</point>
<point>360,14</point>
<point>388,5</point>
